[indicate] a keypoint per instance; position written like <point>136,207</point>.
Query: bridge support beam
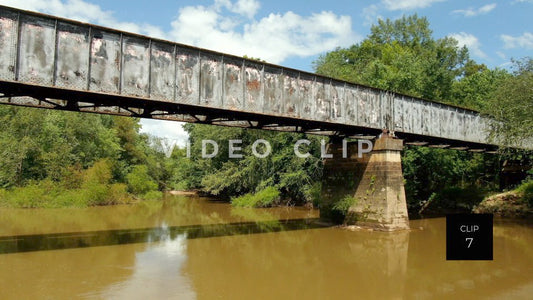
<point>373,184</point>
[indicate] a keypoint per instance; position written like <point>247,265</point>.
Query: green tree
<point>294,177</point>
<point>139,181</point>
<point>474,90</point>
<point>511,105</point>
<point>400,56</point>
<point>43,143</point>
<point>127,131</point>
<point>67,158</point>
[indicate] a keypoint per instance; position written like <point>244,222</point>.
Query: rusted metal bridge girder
<point>56,63</point>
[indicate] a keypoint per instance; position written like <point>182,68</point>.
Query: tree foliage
<point>400,56</point>
<point>294,177</point>
<point>93,186</point>
<point>139,181</point>
<point>75,152</point>
<point>511,105</point>
<point>37,144</point>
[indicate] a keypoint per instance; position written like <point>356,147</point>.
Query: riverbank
<point>183,193</point>
<point>46,194</point>
<point>94,186</point>
<point>515,203</point>
<point>508,204</point>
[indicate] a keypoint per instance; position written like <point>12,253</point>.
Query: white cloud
<point>501,55</point>
<point>246,8</point>
<point>169,130</point>
<point>370,14</point>
<point>273,38</point>
<point>471,12</point>
<point>523,41</point>
<point>487,8</point>
<point>85,12</point>
<point>471,42</point>
<point>408,4</point>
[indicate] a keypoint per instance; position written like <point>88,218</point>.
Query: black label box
<point>469,237</point>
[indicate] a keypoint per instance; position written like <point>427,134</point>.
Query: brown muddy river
<point>192,248</point>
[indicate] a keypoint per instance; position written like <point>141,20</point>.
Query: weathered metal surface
<point>162,72</point>
<point>45,51</point>
<point>291,91</point>
<point>135,66</point>
<point>350,105</point>
<point>36,50</point>
<point>305,100</point>
<point>322,96</point>
<point>188,76</point>
<point>8,44</point>
<point>253,87</point>
<point>106,59</point>
<point>273,88</point>
<point>211,72</point>
<point>338,99</point>
<point>233,84</point>
<point>72,56</point>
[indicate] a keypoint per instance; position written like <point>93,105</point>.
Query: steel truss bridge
<point>55,63</point>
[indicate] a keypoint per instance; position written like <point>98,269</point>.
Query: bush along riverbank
<point>514,203</point>
<point>81,188</point>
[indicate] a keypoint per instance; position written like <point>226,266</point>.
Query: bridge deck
<point>64,64</point>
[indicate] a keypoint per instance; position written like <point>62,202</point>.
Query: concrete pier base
<point>374,181</point>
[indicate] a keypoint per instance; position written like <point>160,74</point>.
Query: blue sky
<point>295,33</point>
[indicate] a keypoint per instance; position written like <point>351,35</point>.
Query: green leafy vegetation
<point>344,204</point>
<point>95,188</point>
<point>65,159</point>
<point>313,193</point>
<point>264,198</point>
<point>453,199</point>
<point>430,171</point>
<point>511,105</point>
<point>401,56</point>
<point>141,183</point>
<point>295,178</point>
<point>526,190</point>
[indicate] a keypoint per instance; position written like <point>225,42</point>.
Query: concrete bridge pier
<point>372,186</point>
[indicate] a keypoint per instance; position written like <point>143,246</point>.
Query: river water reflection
<point>193,248</point>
